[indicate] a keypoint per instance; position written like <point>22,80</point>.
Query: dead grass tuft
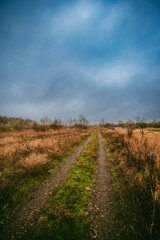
<point>33,160</point>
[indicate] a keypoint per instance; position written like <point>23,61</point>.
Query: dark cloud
<point>63,58</point>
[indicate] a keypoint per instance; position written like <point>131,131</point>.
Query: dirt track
<point>105,222</point>
<point>26,217</point>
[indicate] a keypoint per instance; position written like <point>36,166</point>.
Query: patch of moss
<point>66,215</point>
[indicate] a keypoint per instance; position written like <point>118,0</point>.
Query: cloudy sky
<point>99,58</point>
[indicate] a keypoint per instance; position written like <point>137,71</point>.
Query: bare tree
<point>45,121</point>
<point>83,121</point>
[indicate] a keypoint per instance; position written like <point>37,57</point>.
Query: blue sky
<point>65,58</point>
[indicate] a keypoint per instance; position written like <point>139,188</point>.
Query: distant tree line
<point>15,124</point>
<point>57,123</point>
<point>137,123</point>
<point>19,124</point>
<point>45,123</point>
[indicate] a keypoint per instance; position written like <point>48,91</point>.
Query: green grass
<point>19,186</point>
<point>66,216</point>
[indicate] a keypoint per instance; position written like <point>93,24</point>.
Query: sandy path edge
<point>26,217</point>
<point>105,223</point>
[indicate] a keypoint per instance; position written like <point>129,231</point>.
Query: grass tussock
<point>135,158</point>
<point>67,214</point>
<point>27,158</point>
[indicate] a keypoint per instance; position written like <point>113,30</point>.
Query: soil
<point>106,223</point>
<point>21,222</point>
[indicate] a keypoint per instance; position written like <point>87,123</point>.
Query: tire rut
<point>27,216</point>
<point>105,222</point>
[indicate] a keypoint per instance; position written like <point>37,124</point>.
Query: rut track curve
<point>28,214</point>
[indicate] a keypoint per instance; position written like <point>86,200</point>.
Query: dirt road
<point>26,217</point>
<point>106,224</point>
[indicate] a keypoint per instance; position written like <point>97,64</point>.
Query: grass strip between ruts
<point>66,216</point>
<point>21,187</point>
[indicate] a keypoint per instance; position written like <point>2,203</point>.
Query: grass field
<point>28,157</point>
<point>135,158</point>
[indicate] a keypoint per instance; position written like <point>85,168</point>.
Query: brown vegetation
<point>28,157</point>
<point>138,123</point>
<point>135,156</point>
<point>14,124</point>
<point>28,149</point>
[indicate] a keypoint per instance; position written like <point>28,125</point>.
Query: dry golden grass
<point>33,160</point>
<point>22,151</point>
<point>10,142</point>
<point>149,139</point>
<point>135,154</point>
<point>28,157</point>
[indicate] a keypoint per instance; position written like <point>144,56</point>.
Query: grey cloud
<point>80,58</point>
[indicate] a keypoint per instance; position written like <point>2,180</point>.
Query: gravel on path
<point>27,216</point>
<point>105,223</point>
